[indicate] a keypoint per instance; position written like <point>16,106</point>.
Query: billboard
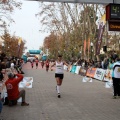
<point>34,51</point>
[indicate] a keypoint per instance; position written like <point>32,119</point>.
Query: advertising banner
<point>26,82</point>
<point>73,69</point>
<point>108,75</point>
<point>99,74</point>
<point>100,34</point>
<point>91,72</point>
<point>82,71</point>
<point>77,69</point>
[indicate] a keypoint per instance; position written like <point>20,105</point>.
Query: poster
<point>91,72</point>
<point>77,69</point>
<point>87,79</point>
<point>99,74</point>
<point>26,82</point>
<point>108,75</point>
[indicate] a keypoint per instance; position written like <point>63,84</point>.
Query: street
<point>79,101</point>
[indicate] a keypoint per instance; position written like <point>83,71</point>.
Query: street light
<point>91,44</point>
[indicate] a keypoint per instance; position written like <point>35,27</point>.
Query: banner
<point>26,82</point>
<point>108,75</point>
<point>88,47</point>
<point>73,69</point>
<point>100,34</point>
<point>82,71</point>
<point>19,43</point>
<point>91,72</point>
<point>99,74</point>
<point>77,69</point>
<point>84,47</point>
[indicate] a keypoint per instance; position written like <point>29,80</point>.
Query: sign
<point>113,12</point>
<point>91,72</point>
<point>114,26</point>
<point>73,69</point>
<point>108,75</point>
<point>34,51</point>
<point>77,69</point>
<point>100,34</point>
<point>26,82</point>
<point>99,75</point>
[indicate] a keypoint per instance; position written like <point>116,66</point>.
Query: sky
<point>27,25</point>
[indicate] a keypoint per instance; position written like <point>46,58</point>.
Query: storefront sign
<point>113,26</point>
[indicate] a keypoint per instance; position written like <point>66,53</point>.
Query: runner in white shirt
<point>59,73</point>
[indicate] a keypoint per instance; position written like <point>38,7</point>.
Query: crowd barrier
<point>97,73</point>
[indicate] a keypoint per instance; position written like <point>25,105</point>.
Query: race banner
<point>84,47</point>
<point>91,72</point>
<point>108,75</point>
<point>100,34</point>
<point>82,71</point>
<point>77,69</point>
<point>26,82</point>
<point>108,84</point>
<point>73,69</point>
<point>99,74</point>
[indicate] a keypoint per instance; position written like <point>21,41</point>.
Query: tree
<point>7,7</point>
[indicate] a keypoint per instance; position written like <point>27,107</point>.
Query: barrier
<point>97,73</point>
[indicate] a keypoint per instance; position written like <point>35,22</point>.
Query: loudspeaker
<point>105,48</point>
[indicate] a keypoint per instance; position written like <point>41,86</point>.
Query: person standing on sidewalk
<point>116,78</point>
<point>59,74</point>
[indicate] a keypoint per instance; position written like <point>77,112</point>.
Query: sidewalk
<point>79,101</point>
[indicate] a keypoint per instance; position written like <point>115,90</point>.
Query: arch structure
<point>82,1</point>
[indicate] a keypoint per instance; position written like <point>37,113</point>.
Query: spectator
<point>12,89</point>
<point>116,78</point>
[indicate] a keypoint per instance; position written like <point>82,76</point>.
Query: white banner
<point>77,69</point>
<point>65,67</point>
<point>26,82</point>
<point>99,74</point>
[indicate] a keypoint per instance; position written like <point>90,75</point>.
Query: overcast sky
<point>27,25</point>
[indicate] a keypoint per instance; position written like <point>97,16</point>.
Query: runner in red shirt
<point>13,90</point>
<point>47,65</point>
<point>36,61</point>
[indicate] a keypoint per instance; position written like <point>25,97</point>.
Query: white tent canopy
<point>82,1</point>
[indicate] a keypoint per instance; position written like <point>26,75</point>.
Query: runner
<point>59,73</point>
<point>42,64</point>
<point>47,65</point>
<point>31,64</point>
<point>36,61</point>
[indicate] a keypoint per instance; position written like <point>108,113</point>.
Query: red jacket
<point>12,87</point>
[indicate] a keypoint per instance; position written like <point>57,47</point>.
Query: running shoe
<point>114,97</point>
<point>59,96</point>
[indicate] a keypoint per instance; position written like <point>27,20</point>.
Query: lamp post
<point>91,44</point>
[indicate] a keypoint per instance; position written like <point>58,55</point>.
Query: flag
<point>19,43</point>
<point>100,34</point>
<point>88,46</point>
<point>84,47</point>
